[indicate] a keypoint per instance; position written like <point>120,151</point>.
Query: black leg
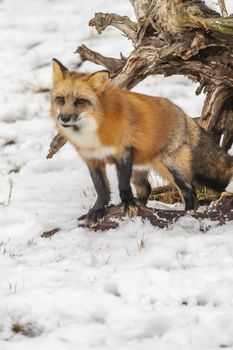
<point>100,181</point>
<point>187,190</point>
<point>124,172</point>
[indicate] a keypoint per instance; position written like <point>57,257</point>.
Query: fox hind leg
<point>180,165</point>
<point>187,190</point>
<point>173,172</point>
<point>143,188</point>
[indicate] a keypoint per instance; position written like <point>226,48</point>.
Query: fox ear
<point>99,80</point>
<point>58,71</point>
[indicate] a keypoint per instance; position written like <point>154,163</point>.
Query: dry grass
<point>170,195</point>
<point>28,329</point>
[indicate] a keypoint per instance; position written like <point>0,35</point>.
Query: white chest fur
<point>100,153</point>
<point>144,167</point>
<point>87,141</point>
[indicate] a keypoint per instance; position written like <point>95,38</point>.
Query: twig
<point>3,204</point>
<point>56,144</point>
<point>10,192</point>
<point>48,234</point>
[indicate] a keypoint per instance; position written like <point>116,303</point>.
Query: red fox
<point>137,133</point>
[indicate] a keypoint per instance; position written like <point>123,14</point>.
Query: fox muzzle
<point>67,120</point>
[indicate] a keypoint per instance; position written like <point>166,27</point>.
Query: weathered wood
<point>223,8</point>
<point>222,212</point>
<point>140,8</point>
<point>56,144</point>
<point>50,233</point>
<point>217,114</point>
<point>123,23</point>
<point>113,65</point>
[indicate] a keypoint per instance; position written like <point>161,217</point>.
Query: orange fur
<point>125,119</point>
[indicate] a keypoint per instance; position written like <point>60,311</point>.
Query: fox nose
<point>65,118</point>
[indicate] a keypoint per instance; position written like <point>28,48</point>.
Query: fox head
<point>75,96</point>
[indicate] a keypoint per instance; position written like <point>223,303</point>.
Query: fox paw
<point>131,209</point>
<point>93,217</point>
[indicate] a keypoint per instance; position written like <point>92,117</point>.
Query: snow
<point>136,287</point>
<point>230,186</point>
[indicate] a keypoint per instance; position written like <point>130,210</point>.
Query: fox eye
<point>60,99</point>
<point>80,101</point>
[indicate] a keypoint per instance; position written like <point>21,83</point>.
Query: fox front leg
<point>98,174</point>
<point>124,171</point>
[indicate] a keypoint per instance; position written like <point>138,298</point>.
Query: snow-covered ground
<point>81,289</point>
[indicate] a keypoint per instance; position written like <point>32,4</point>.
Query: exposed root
<point>221,213</point>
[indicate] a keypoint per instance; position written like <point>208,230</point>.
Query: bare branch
<point>123,23</point>
<point>113,65</point>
